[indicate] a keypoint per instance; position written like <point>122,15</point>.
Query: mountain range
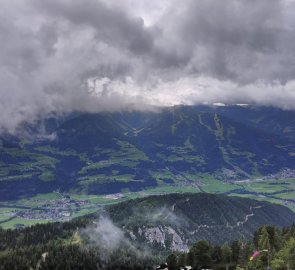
<point>110,152</point>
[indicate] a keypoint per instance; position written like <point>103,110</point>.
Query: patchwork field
<point>56,206</point>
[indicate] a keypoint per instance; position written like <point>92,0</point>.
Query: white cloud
<point>142,54</point>
<point>196,90</point>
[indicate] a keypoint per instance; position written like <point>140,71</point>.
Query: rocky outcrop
<point>166,236</point>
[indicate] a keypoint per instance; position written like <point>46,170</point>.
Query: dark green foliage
<point>172,262</point>
<point>39,234</point>
<point>200,255</point>
<point>236,255</point>
<point>25,248</point>
<point>236,249</point>
<point>57,257</point>
<point>216,255</point>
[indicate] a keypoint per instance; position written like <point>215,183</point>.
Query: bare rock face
<point>155,234</point>
<point>177,243</point>
<point>166,236</point>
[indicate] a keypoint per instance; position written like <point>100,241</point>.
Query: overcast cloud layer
<point>58,56</point>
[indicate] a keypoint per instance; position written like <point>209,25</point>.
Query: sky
<point>60,56</point>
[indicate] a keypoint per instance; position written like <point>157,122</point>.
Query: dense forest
<point>195,217</point>
<point>62,246</point>
<point>272,247</point>
<point>59,246</point>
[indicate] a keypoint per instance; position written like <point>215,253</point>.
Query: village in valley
<point>54,210</point>
<point>59,207</point>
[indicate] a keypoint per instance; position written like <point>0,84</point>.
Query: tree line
<point>50,246</point>
<point>275,249</point>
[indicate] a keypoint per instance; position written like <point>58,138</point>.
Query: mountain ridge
<point>107,152</point>
<point>176,221</point>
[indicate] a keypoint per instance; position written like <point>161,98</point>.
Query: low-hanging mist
<point>112,244</point>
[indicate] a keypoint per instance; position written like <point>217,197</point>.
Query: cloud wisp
<point>112,246</point>
<point>59,56</point>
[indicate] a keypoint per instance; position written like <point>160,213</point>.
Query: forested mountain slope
<point>105,153</point>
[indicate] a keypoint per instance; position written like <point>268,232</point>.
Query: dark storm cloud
<point>58,56</point>
<point>240,40</point>
<point>110,23</point>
